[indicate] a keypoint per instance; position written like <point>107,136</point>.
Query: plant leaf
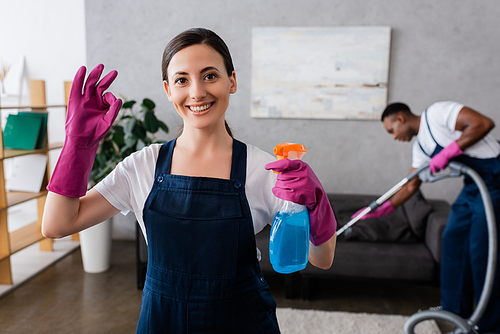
<point>130,141</point>
<point>140,145</point>
<point>139,131</point>
<point>150,122</point>
<point>100,160</point>
<point>107,150</point>
<point>128,104</point>
<point>148,104</point>
<point>130,125</point>
<point>119,136</point>
<point>163,126</point>
<point>124,117</point>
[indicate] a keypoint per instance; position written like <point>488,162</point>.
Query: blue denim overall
<point>465,244</point>
<point>203,274</point>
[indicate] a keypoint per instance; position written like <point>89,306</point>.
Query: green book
<point>21,131</point>
<point>41,142</point>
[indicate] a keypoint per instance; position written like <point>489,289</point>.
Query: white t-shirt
<point>127,187</point>
<point>442,118</point>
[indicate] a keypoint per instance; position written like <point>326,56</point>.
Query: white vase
<point>95,245</point>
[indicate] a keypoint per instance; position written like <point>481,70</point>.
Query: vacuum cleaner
<point>455,169</point>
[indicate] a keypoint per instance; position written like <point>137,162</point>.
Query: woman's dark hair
<point>195,36</point>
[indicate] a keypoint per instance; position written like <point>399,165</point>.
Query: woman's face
<point>199,87</point>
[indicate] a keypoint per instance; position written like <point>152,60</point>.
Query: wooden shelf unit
<point>12,242</point>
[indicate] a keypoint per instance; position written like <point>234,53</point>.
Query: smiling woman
<point>199,199</point>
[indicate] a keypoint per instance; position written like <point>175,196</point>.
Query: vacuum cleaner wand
<point>382,199</point>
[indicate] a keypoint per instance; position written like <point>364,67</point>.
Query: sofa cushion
<point>417,210</point>
<point>406,224</point>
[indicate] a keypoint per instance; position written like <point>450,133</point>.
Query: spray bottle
<point>289,240</point>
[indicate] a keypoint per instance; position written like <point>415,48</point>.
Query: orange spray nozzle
<point>290,151</point>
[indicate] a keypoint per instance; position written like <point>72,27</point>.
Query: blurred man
<point>451,131</point>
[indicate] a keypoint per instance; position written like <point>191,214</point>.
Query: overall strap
<point>423,149</point>
<point>239,161</point>
<point>430,132</point>
<point>164,160</point>
<point>428,127</point>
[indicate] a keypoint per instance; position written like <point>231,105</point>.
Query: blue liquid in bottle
<point>289,240</point>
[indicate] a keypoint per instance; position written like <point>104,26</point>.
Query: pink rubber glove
<point>381,211</point>
<point>440,160</point>
<point>297,183</point>
<point>90,115</point>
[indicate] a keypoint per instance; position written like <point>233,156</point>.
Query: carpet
<point>295,321</point>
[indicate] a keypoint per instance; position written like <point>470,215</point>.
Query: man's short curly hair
<point>395,108</point>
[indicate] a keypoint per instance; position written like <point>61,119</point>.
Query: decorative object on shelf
<point>13,78</point>
<point>133,130</point>
<point>4,69</point>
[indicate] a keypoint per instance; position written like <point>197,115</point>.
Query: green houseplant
<point>133,129</point>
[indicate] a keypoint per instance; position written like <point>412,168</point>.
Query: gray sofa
<point>405,245</point>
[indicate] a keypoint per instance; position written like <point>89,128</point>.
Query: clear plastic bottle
<point>289,239</point>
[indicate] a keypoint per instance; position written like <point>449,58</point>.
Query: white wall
<point>51,36</point>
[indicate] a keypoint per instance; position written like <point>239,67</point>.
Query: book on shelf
<point>25,173</point>
<point>25,131</point>
<point>42,136</point>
